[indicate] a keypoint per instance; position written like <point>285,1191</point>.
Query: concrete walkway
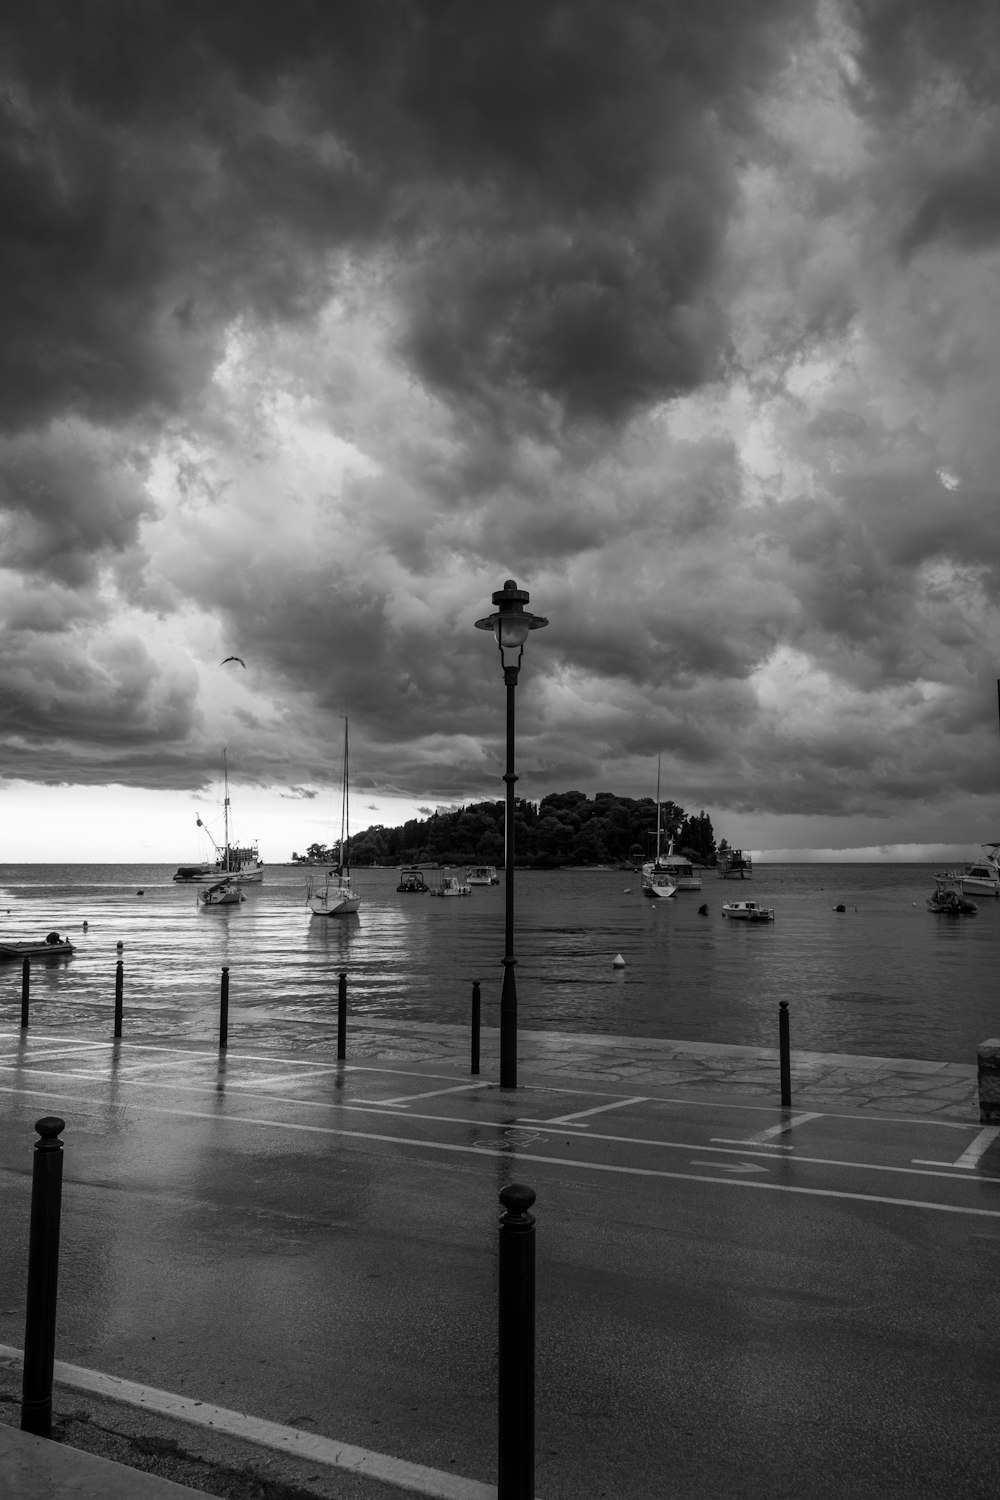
<point>889,1085</point>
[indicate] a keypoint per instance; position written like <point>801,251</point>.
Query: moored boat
<point>747,911</point>
<point>240,863</point>
<point>656,877</point>
<point>982,877</point>
<point>46,948</point>
<point>412,882</point>
<point>223,893</point>
<point>335,896</point>
<point>482,875</point>
<point>450,885</point>
<point>949,899</point>
<point>735,865</point>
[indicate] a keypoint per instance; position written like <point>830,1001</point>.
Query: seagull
<point>234,658</point>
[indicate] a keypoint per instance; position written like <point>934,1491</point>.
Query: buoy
<point>703,911</point>
<point>85,925</point>
<point>618,962</point>
<point>840,908</point>
<point>140,893</point>
<point>119,946</point>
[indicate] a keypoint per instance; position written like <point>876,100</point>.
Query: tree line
<point>565,828</point>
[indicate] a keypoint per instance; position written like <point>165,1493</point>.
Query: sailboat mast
<point>225,807</point>
<point>659,827</point>
<point>345,824</point>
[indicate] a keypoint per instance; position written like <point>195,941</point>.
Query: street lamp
<point>511,625</point>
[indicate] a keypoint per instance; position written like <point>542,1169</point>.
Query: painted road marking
<point>272,1078</point>
<point>598,1109</point>
<point>459,1088</point>
<point>306,1445</point>
<point>763,1137</point>
<point>561,1161</point>
<point>970,1157</point>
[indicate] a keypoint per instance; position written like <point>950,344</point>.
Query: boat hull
<point>343,906</point>
<point>747,911</point>
<point>34,950</point>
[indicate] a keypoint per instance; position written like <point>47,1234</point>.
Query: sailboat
<point>656,875</point>
<point>240,864</point>
<point>335,896</point>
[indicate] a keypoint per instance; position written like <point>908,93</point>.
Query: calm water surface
<point>884,977</point>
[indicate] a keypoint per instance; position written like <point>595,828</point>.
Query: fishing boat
<point>240,863</point>
<point>412,882</point>
<point>735,865</point>
<point>949,899</point>
<point>222,893</point>
<point>450,885</point>
<point>482,875</point>
<point>49,946</point>
<point>747,911</point>
<point>656,878</point>
<point>335,896</point>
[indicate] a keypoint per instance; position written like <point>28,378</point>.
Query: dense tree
<point>564,828</point>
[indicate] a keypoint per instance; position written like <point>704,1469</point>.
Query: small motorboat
<point>53,944</point>
<point>412,882</point>
<point>483,875</point>
<point>451,886</point>
<point>949,898</point>
<point>747,911</point>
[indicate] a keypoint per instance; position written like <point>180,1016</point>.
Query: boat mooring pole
<point>25,991</point>
<point>224,1009</point>
<point>516,1346</point>
<point>43,1273</point>
<point>784,1055</point>
<point>342,1016</point>
<point>476,1007</point>
<point>119,991</point>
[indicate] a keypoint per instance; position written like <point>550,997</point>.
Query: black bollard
<point>516,1347</point>
<point>25,991</point>
<point>119,992</point>
<point>342,1016</point>
<point>784,1055</point>
<point>476,1007</point>
<point>43,1275</point>
<point>224,1009</point>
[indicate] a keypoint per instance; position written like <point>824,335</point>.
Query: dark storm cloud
<point>555,175</point>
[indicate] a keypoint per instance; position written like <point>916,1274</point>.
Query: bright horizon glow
<point>134,825</point>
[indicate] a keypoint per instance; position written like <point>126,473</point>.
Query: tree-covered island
<point>565,828</point>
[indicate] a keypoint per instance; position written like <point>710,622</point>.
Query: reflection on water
<point>883,977</point>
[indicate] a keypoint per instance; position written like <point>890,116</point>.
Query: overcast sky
<point>321,321</point>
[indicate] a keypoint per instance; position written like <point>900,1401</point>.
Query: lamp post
<point>511,625</point>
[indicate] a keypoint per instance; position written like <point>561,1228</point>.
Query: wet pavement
<point>730,1294</point>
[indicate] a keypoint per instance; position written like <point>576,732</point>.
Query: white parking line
<point>598,1109</point>
<point>970,1157</point>
<point>763,1137</point>
<point>459,1088</point>
<point>415,1478</point>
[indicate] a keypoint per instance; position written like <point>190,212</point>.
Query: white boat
<point>747,911</point>
<point>450,885</point>
<point>482,875</point>
<point>223,893</point>
<point>240,863</point>
<point>982,878</point>
<point>334,895</point>
<point>656,877</point>
<point>950,899</point>
<point>735,865</point>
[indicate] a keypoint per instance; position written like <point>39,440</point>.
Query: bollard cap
<point>49,1127</point>
<point>517,1199</point>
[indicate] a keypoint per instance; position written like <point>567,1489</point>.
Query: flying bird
<point>234,658</point>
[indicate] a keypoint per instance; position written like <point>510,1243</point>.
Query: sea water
<point>883,977</point>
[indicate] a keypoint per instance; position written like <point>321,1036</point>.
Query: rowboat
<point>51,945</point>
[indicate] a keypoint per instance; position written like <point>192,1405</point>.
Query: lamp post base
<point>508,1026</point>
